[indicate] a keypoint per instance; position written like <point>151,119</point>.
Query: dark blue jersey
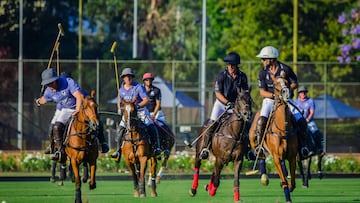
<point>228,85</point>
<point>265,81</point>
<point>154,94</point>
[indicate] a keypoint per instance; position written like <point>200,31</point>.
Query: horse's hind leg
<point>85,172</point>
<point>153,181</point>
<point>53,171</point>
<point>92,182</point>
<point>162,169</point>
<point>62,175</point>
<point>215,178</point>
<point>237,169</point>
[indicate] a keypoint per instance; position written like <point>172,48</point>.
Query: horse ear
<point>92,94</point>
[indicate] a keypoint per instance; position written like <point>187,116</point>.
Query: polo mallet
<point>56,44</point>
<point>112,50</point>
<point>253,171</point>
<point>186,142</point>
<point>57,59</point>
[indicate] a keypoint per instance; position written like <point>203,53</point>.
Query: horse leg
<point>264,177</point>
<point>195,182</point>
<point>301,169</point>
<point>62,174</point>
<point>153,182</point>
<point>215,178</point>
<point>237,169</point>
<point>135,177</point>
<point>75,167</point>
<point>53,171</point>
<point>71,173</point>
<point>85,172</point>
<point>284,184</point>
<point>292,164</point>
<point>92,182</point>
<point>142,172</point>
<point>162,169</point>
<point>319,166</point>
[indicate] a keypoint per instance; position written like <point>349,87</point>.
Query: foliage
<point>180,162</point>
<point>350,48</point>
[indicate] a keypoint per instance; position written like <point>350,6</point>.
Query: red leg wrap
<point>195,178</point>
<point>236,194</point>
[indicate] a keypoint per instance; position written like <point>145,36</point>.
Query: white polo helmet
<point>269,52</point>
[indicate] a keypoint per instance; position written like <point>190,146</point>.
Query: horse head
<point>243,104</point>
<point>282,92</point>
<point>130,112</point>
<point>88,111</point>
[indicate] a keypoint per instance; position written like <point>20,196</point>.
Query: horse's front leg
<point>132,169</point>
<point>284,183</point>
<point>215,178</point>
<point>142,172</point>
<point>153,178</point>
<point>319,166</point>
<point>92,183</point>
<point>237,169</point>
<point>292,163</point>
<point>75,167</point>
<point>162,169</point>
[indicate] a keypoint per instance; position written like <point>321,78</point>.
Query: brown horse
<point>136,149</point>
<point>81,142</point>
<point>167,141</point>
<point>228,145</point>
<point>280,138</point>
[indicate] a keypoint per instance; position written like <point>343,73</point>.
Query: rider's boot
<point>50,148</point>
<point>210,127</point>
<point>101,138</point>
<point>260,128</point>
<point>302,132</point>
<point>58,131</point>
<point>155,138</point>
<point>117,154</point>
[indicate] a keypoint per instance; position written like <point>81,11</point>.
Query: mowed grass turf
<point>173,191</point>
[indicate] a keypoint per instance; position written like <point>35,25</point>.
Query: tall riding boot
<point>101,138</point>
<point>302,132</point>
<point>117,154</point>
<point>210,127</point>
<point>155,138</point>
<point>58,131</point>
<point>260,129</point>
<point>50,148</point>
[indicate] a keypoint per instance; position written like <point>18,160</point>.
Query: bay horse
<point>136,149</point>
<point>81,143</point>
<point>280,138</point>
<point>228,145</point>
<point>167,142</point>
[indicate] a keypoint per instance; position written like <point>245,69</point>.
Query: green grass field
<point>251,191</point>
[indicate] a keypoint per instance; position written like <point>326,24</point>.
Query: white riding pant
<point>217,110</point>
<point>62,116</point>
<point>267,105</point>
<point>143,115</point>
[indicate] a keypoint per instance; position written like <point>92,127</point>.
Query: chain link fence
<point>342,134</point>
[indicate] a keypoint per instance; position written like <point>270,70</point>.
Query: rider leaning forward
<point>67,95</point>
<point>271,66</point>
<point>154,106</point>
<point>226,85</point>
<point>128,91</point>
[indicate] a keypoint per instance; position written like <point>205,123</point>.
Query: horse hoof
<point>136,194</point>
<point>264,179</point>
<point>61,183</point>
<point>154,194</point>
<point>192,192</point>
<point>206,187</point>
<point>320,175</point>
<point>52,180</point>
<point>93,186</point>
<point>142,195</point>
<point>305,186</point>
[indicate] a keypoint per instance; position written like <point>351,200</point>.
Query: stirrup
<point>116,156</point>
<point>56,156</point>
<point>204,154</point>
